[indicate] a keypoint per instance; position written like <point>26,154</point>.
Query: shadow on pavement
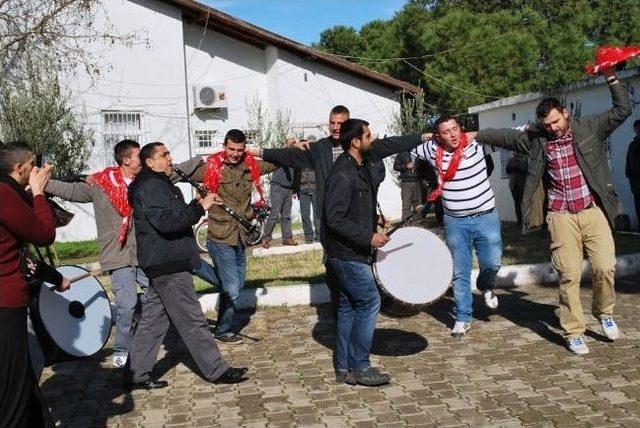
<point>386,341</point>
<point>83,393</point>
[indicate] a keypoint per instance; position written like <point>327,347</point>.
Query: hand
<point>410,165</point>
<point>65,285</point>
<point>471,135</point>
<point>302,145</point>
<point>427,136</point>
<point>253,150</point>
<point>209,200</point>
<point>379,239</point>
<point>38,179</point>
<point>608,72</point>
<point>90,180</point>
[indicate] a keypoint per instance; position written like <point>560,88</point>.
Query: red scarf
<point>215,167</point>
<point>444,176</point>
<point>111,181</point>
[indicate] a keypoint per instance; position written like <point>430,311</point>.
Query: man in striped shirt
<point>470,218</point>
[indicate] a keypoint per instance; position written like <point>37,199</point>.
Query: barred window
<point>117,126</point>
<point>204,137</point>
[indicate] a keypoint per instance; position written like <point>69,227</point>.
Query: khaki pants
<point>571,234</point>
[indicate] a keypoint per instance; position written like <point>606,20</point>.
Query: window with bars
<point>204,138</point>
<point>117,126</point>
<point>253,135</point>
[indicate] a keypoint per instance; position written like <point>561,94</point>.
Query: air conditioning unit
<point>209,97</point>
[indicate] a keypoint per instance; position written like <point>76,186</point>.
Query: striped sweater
<point>469,192</point>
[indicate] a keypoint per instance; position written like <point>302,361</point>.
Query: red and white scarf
<point>215,166</point>
<point>444,176</point>
<point>112,182</point>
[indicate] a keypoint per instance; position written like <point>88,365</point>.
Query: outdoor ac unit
<point>209,97</point>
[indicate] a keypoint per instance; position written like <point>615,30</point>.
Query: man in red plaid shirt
<point>567,156</point>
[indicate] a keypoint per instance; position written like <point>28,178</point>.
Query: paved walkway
<point>510,370</point>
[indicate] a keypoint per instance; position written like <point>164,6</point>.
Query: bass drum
<point>73,324</point>
<point>413,270</point>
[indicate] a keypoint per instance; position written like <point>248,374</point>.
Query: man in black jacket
<point>348,235</point>
<point>320,157</point>
<point>167,252</point>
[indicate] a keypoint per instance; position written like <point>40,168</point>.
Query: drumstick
<point>83,276</point>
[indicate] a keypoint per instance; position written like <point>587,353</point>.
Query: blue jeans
<point>123,284</point>
<point>482,233</point>
<point>207,273</point>
<point>357,313</point>
<point>230,266</point>
<point>307,198</point>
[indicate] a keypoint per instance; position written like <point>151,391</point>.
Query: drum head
<point>415,267</point>
<point>78,320</point>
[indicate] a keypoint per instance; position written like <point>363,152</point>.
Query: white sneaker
<point>609,327</point>
<point>460,328</point>
<point>577,346</point>
<point>490,299</point>
<point>119,361</point>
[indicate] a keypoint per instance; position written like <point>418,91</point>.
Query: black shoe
<point>368,377</point>
<point>229,337</point>
<point>232,375</point>
<point>147,384</point>
<point>341,376</point>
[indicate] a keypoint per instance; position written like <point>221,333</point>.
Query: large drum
<point>413,270</point>
<point>73,324</point>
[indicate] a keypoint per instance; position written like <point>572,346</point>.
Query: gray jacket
<point>108,221</point>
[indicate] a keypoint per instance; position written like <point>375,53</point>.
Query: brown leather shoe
<point>266,243</point>
<point>289,241</point>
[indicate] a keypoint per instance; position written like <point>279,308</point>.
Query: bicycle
<point>200,231</point>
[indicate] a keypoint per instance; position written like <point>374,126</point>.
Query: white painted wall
<point>583,99</point>
<point>157,78</point>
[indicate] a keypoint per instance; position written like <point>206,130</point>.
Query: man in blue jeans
<point>348,235</point>
<point>470,218</point>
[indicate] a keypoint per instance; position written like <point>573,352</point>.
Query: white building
<point>583,98</point>
<point>197,57</point>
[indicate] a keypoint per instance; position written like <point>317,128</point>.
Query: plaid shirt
<point>336,151</point>
<point>568,189</point>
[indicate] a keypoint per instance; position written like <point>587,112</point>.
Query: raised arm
<point>336,207</point>
<point>73,192</point>
<point>266,167</point>
<point>297,158</point>
<point>509,139</point>
<point>189,167</point>
<point>611,119</point>
<point>383,147</point>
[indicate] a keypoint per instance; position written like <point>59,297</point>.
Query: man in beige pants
<point>569,153</point>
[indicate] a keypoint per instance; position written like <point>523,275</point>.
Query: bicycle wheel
<point>200,232</point>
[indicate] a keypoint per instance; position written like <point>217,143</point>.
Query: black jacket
<point>407,175</point>
<point>349,216</point>
<point>319,157</point>
<point>163,224</point>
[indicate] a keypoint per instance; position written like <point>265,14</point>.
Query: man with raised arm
<point>567,156</point>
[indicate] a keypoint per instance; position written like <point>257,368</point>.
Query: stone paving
<point>510,370</point>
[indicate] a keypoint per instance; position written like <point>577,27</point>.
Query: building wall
<point>581,101</point>
<point>156,78</point>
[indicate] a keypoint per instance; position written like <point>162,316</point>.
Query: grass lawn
<point>307,267</point>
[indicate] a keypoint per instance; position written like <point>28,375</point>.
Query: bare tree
<point>58,34</point>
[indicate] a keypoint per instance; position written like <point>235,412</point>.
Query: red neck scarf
<point>111,181</point>
<point>215,166</point>
<point>444,176</point>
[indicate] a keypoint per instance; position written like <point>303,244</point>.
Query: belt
<point>481,213</point>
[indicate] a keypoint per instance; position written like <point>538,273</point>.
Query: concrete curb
<point>313,294</point>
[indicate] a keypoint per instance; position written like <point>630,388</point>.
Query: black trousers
<point>21,402</point>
